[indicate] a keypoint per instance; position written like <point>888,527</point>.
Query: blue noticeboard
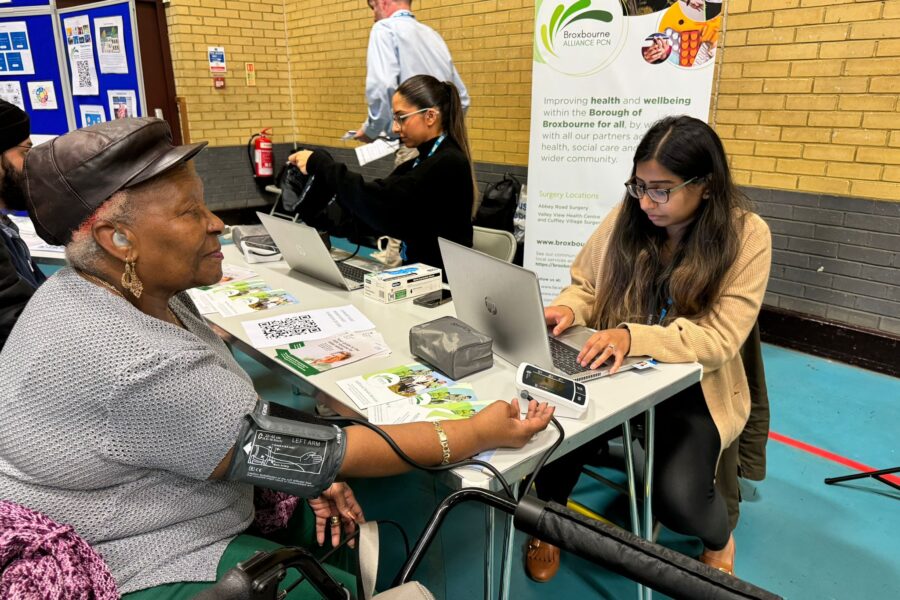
<point>130,81</point>
<point>41,43</point>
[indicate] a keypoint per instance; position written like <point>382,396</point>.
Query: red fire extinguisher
<point>261,157</point>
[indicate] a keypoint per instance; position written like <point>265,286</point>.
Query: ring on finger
<point>611,347</point>
<point>335,521</point>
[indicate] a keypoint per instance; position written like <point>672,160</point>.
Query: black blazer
<point>415,204</point>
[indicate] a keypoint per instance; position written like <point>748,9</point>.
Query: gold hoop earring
<point>130,281</point>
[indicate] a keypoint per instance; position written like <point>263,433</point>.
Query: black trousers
<point>685,498</point>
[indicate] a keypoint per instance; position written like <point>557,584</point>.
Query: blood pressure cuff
<point>296,455</point>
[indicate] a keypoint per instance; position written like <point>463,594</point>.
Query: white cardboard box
<point>401,283</point>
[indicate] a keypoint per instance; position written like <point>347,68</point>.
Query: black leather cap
<point>69,177</point>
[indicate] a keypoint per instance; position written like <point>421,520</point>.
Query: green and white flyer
<point>399,383</point>
<point>449,403</point>
<point>317,356</point>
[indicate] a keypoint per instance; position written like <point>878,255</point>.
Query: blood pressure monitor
<point>568,396</point>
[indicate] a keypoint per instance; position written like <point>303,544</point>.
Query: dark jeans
<point>685,498</point>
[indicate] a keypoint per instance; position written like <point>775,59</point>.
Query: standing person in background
<point>19,276</point>
<point>400,47</point>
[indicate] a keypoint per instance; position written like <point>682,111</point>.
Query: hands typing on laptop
<point>503,301</point>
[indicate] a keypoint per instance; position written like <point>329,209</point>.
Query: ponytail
<point>423,91</point>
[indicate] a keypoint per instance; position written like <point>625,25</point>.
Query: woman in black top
<point>429,197</point>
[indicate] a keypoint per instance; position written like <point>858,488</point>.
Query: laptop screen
<point>303,249</point>
<point>499,299</point>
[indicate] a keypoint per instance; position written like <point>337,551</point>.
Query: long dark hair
<point>635,281</point>
<point>425,91</point>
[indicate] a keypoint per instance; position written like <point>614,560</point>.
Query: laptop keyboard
<point>564,357</point>
<point>352,273</point>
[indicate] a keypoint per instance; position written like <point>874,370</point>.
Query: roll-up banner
<point>604,72</point>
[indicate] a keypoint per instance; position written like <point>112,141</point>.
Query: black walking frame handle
<point>609,546</point>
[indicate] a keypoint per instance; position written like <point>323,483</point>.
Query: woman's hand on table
<point>337,501</point>
<point>605,344</point>
<point>560,317</point>
<point>502,425</point>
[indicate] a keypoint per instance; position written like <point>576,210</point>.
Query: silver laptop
<point>503,301</point>
<point>304,251</point>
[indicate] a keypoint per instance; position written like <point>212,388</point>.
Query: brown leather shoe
<point>541,560</point>
<point>718,561</point>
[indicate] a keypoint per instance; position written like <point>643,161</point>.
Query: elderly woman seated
<point>126,416</point>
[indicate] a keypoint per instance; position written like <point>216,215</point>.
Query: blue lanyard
<point>662,313</point>
<point>430,152</point>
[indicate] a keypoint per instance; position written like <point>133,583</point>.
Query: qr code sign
<point>289,326</point>
<point>83,73</point>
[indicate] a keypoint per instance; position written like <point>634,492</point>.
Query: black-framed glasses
<point>637,190</point>
<point>401,119</point>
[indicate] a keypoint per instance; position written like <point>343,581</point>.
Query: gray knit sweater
<point>113,421</point>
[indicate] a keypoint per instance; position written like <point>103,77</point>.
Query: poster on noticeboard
<point>122,104</point>
<point>80,46</point>
<point>109,35</point>
<point>15,49</point>
<point>11,91</point>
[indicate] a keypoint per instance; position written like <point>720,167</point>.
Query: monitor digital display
<point>549,383</point>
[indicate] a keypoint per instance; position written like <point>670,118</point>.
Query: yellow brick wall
<point>250,31</point>
<point>328,54</point>
<point>808,95</point>
<point>490,41</point>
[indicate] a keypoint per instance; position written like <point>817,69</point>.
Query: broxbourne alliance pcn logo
<point>578,38</point>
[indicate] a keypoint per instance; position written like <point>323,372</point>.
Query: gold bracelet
<point>445,444</point>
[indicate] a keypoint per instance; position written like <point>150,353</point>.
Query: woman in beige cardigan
<point>677,271</point>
